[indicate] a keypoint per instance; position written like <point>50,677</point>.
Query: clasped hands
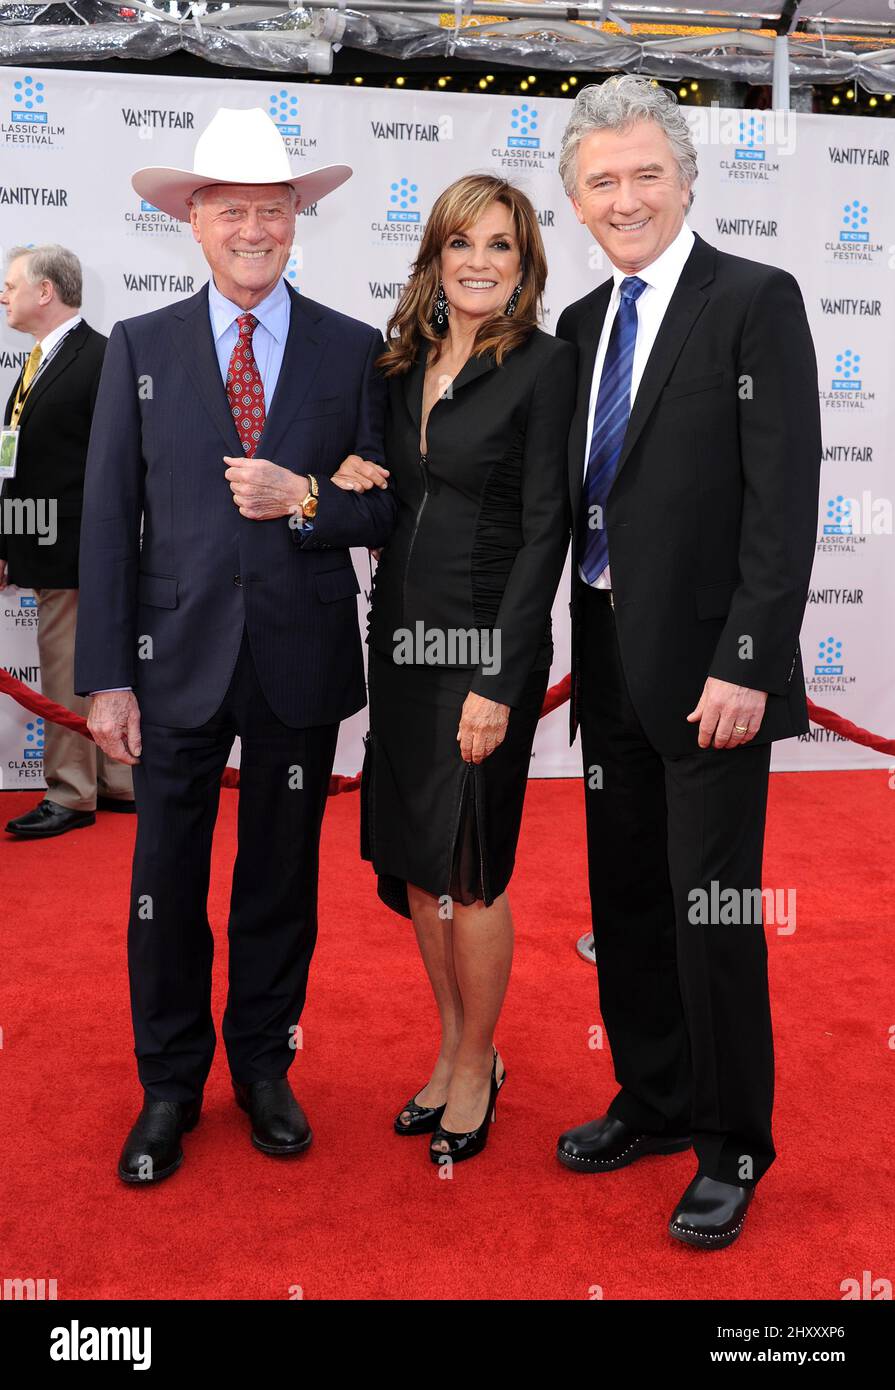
<point>263,490</point>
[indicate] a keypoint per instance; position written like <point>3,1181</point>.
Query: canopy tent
<point>791,43</point>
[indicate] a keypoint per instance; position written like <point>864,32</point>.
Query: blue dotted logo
<point>28,101</point>
<point>829,657</point>
<point>523,124</point>
<point>34,740</point>
<point>854,222</point>
<point>282,107</point>
<point>403,201</point>
<point>292,271</point>
<point>839,516</point>
<point>847,371</point>
<point>750,140</point>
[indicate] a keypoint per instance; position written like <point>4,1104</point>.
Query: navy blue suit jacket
<point>164,612</point>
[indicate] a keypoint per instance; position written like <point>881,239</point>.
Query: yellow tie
<point>32,365</point>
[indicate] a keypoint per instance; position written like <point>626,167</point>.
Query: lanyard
<point>18,404</point>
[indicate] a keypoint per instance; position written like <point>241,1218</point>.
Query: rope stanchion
<point>556,696</point>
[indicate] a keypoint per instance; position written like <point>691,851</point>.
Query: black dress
<point>461,602</point>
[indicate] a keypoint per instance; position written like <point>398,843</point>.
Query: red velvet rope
<point>557,695</point>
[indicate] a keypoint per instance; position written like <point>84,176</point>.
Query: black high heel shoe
<point>424,1119</point>
<point>467,1145</point>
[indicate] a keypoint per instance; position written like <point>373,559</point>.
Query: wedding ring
<point>741,728</point>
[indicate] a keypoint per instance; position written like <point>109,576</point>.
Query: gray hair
<point>615,105</point>
<point>56,264</point>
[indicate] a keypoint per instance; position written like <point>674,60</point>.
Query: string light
<point>694,86</point>
<point>682,92</point>
<point>399,81</point>
<point>873,101</point>
<point>358,80</point>
<point>564,87</point>
<point>835,101</point>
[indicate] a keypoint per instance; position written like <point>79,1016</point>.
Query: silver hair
<point>56,264</point>
<point>199,194</point>
<point>615,105</point>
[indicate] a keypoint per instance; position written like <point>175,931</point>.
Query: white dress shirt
<point>661,281</point>
<point>53,339</point>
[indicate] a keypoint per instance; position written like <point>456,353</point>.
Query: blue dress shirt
<point>269,338</point>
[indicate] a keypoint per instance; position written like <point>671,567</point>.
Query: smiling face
<point>629,193</point>
<point>481,265</point>
<point>246,233</point>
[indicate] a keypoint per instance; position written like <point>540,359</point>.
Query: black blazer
<point>483,523</point>
<point>55,428</point>
<point>713,512</point>
<point>165,613</point>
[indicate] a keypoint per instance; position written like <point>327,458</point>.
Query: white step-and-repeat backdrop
<point>815,194</point>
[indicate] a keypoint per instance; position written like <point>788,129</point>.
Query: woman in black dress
<point>480,402</point>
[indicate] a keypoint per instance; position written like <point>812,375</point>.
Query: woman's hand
<point>355,474</point>
<point>483,727</point>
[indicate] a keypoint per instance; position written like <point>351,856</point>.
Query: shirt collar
<point>664,272</point>
<point>49,342</point>
<point>272,312</point>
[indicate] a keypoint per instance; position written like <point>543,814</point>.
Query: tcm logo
<point>750,145</point>
<point>34,740</point>
<point>847,372</point>
<point>283,111</point>
<point>403,200</point>
<point>854,220</point>
<point>839,517</point>
<point>829,657</point>
<point>28,96</point>
<point>523,124</point>
<point>293,265</point>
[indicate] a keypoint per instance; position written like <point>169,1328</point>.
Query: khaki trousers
<point>75,770</point>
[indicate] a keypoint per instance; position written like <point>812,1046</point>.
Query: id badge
<point>9,448</point>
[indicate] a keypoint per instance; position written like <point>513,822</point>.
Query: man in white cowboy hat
<point>218,424</point>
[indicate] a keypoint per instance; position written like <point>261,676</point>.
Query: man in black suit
<point>694,463</point>
<point>219,422</point>
<point>52,407</point>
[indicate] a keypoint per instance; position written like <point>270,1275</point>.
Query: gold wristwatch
<point>308,507</point>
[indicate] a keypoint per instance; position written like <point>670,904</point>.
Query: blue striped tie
<point>610,423</point>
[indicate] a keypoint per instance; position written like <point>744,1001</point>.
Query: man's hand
<point>359,475</point>
<point>263,490</point>
<point>729,715</point>
<point>114,722</point>
<point>483,727</point>
<point>4,570</point>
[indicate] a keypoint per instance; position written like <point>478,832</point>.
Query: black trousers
<point>684,1001</point>
<point>284,778</point>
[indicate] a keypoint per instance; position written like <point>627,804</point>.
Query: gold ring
<point>741,728</point>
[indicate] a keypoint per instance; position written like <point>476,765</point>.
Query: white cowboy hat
<point>236,147</point>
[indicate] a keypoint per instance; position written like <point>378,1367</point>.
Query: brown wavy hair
<point>455,210</point>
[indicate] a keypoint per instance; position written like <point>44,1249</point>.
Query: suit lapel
<point>687,303</point>
<point>413,383</point>
<point>594,313</point>
<point>301,363</point>
<point>68,351</point>
<point>194,344</point>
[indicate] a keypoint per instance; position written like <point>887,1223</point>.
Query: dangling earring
<point>440,309</point>
<point>513,301</point>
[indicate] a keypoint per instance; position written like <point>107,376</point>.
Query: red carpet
<point>364,1214</point>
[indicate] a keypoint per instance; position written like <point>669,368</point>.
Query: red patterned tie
<point>244,389</point>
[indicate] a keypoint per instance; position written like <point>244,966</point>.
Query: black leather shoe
<point>48,819</point>
<point>152,1149</point>
<point>116,803</point>
<point>279,1125</point>
<point>710,1214</point>
<point>607,1143</point>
